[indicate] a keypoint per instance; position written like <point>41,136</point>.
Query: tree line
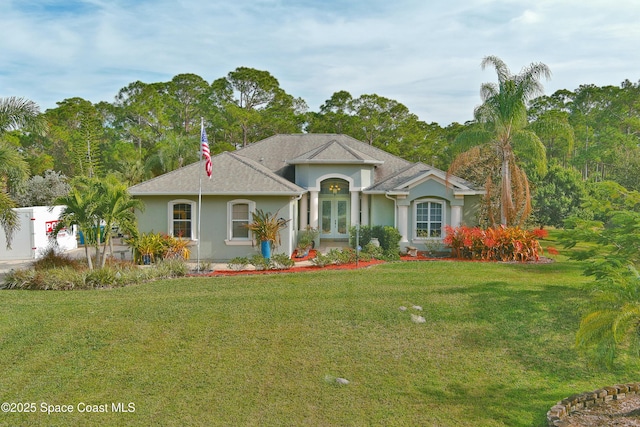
<point>590,134</point>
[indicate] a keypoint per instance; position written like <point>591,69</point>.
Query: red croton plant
<point>495,244</point>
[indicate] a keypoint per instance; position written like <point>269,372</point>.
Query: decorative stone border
<point>565,407</point>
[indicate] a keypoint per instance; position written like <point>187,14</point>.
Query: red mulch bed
<point>422,256</point>
<point>311,255</point>
<point>300,269</point>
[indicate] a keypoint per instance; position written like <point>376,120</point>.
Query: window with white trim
<point>429,219</point>
<point>181,219</point>
<point>238,217</point>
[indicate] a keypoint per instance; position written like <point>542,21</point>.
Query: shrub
<point>52,259</point>
<point>434,247</point>
<point>70,278</point>
<point>364,256</point>
<point>238,263</point>
<point>373,251</point>
<point>147,247</point>
<point>59,278</point>
<point>281,261</point>
<point>389,238</point>
<point>101,278</point>
<point>365,236</point>
<point>176,248</point>
<point>497,244</point>
<point>333,256</point>
<point>321,260</point>
<point>307,238</point>
<point>206,266</point>
<point>152,247</point>
<point>260,262</point>
<point>338,257</point>
<point>171,268</point>
<point>266,226</point>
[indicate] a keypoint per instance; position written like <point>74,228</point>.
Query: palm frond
<point>530,151</point>
<point>20,113</point>
<point>521,196</point>
<point>12,164</point>
<point>8,217</point>
<point>474,136</point>
<point>501,68</point>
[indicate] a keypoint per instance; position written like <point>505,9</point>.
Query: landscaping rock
<point>417,319</point>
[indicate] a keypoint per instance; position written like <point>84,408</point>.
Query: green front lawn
<point>496,348</point>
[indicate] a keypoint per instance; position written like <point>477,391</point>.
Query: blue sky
<point>424,54</point>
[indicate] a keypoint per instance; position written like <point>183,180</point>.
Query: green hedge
<point>389,238</point>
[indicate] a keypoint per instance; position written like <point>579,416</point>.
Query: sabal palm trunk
<point>506,202</point>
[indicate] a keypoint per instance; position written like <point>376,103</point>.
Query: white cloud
<point>424,54</point>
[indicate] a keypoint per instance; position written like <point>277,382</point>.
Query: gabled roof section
<point>232,175</point>
<point>335,152</point>
<point>417,173</point>
<point>275,152</point>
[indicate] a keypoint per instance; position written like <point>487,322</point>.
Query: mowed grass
<point>496,348</point>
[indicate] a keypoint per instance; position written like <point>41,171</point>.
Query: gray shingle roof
<point>232,174</point>
<point>403,179</point>
<point>261,168</point>
<point>274,152</point>
<point>334,152</point>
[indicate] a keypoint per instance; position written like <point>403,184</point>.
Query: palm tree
<point>81,206</point>
<point>13,168</point>
<point>15,113</point>
<point>173,152</point>
<point>92,204</point>
<point>116,208</point>
<point>614,320</point>
<point>612,323</point>
<point>500,138</point>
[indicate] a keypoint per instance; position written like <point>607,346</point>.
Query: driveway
<point>7,266</point>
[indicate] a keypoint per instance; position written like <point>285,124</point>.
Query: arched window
<point>238,217</point>
<point>182,214</point>
<point>334,186</point>
<point>429,216</point>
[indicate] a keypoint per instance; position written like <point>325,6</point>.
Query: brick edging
<point>565,407</point>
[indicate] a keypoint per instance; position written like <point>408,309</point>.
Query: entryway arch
<point>334,206</point>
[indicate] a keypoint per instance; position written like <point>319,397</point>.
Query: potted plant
<point>306,241</point>
<point>146,246</point>
<point>266,229</point>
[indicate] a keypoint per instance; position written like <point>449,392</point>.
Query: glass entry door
<point>334,218</point>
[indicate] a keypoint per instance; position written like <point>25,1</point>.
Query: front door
<point>334,218</point>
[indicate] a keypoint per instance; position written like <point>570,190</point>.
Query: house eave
<point>223,193</point>
<point>334,162</point>
<point>469,192</point>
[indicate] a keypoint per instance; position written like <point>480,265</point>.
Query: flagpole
<point>200,192</point>
<point>206,154</point>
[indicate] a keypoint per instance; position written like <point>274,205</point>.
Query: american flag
<point>204,146</point>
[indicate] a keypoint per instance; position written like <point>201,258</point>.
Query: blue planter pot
<point>265,249</point>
